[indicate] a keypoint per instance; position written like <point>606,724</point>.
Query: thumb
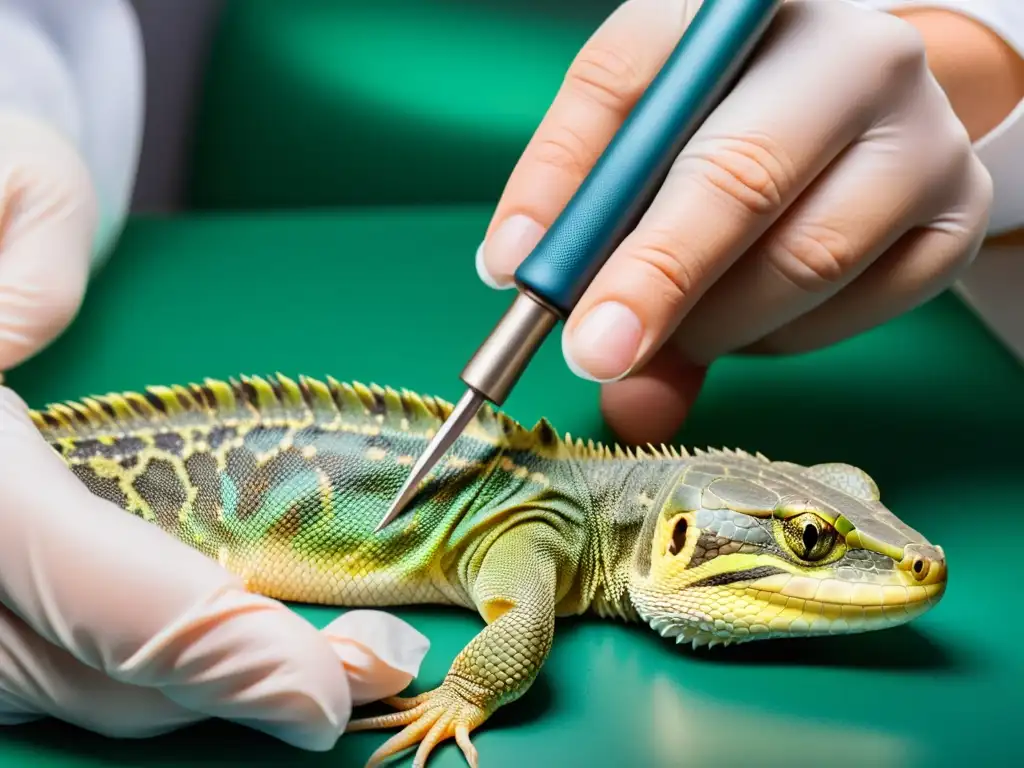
<point>48,215</point>
<point>604,82</point>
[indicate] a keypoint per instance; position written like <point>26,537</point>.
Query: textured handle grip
<point>632,168</point>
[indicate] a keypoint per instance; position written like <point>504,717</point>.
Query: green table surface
<point>929,404</point>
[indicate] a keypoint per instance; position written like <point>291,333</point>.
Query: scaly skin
<point>283,482</point>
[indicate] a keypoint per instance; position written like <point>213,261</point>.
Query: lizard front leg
<point>515,591</point>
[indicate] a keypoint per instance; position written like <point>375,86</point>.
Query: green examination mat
<point>930,405</point>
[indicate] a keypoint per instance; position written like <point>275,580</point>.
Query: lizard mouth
<point>788,608</point>
<point>787,590</point>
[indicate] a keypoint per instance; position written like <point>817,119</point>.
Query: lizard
<point>283,481</point>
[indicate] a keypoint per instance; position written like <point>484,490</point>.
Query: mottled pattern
<point>283,483</point>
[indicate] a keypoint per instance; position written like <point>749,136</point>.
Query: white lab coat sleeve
<point>1002,149</point>
<point>79,66</point>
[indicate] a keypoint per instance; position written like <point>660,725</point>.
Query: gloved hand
<point>832,190</point>
<point>108,623</point>
<point>48,215</point>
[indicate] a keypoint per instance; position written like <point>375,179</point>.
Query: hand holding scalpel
<point>606,207</point>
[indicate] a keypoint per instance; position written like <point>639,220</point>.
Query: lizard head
<point>738,548</point>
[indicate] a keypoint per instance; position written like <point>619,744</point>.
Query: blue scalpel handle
<point>613,197</point>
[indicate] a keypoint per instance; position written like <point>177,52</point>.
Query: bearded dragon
<point>284,481</point>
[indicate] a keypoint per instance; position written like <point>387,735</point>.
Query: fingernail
<point>481,270</point>
<point>500,255</point>
<point>605,344</point>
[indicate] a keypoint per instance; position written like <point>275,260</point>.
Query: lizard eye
<point>809,537</point>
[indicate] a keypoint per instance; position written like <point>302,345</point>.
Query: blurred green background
<point>347,102</point>
<point>399,121</point>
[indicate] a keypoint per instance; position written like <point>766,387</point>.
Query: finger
<point>151,611</point>
<point>755,154</point>
<point>921,265</point>
<point>651,405</point>
<point>380,652</point>
<point>602,85</point>
<point>39,679</point>
<point>874,193</point>
<point>48,218</point>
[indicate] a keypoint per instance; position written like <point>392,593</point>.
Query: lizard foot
<point>429,719</point>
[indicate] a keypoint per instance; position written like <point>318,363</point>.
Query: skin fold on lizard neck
<point>601,499</point>
<point>626,497</point>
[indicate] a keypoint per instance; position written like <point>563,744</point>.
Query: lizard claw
<point>429,719</point>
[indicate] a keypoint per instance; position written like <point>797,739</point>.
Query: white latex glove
<point>831,191</point>
<point>108,623</point>
<point>48,216</point>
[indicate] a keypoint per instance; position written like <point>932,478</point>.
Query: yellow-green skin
<point>283,483</point>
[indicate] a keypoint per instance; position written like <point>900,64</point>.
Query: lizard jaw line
<point>690,630</point>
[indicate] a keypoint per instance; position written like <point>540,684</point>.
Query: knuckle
<point>965,173</point>
<point>42,189</point>
<point>38,307</point>
<point>606,75</point>
<point>936,255</point>
<point>752,171</point>
<point>567,150</point>
<point>940,171</point>
<point>937,153</point>
<point>890,59</point>
<point>953,251</point>
<point>961,182</point>
<point>951,266</point>
<point>956,142</point>
<point>982,188</point>
<point>966,223</point>
<point>672,274</point>
<point>899,37</point>
<point>956,147</point>
<point>812,257</point>
<point>887,48</point>
<point>903,51</point>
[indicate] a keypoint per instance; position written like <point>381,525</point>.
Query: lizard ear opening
<point>678,540</point>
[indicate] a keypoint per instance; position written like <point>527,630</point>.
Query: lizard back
<point>284,481</point>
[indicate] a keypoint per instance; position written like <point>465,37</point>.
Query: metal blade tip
<point>449,432</point>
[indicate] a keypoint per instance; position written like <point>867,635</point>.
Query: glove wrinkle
<point>113,625</point>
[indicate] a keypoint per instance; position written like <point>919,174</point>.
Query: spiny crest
<point>270,399</point>
<point>281,400</point>
<point>594,450</point>
<point>734,453</point>
<point>597,450</point>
